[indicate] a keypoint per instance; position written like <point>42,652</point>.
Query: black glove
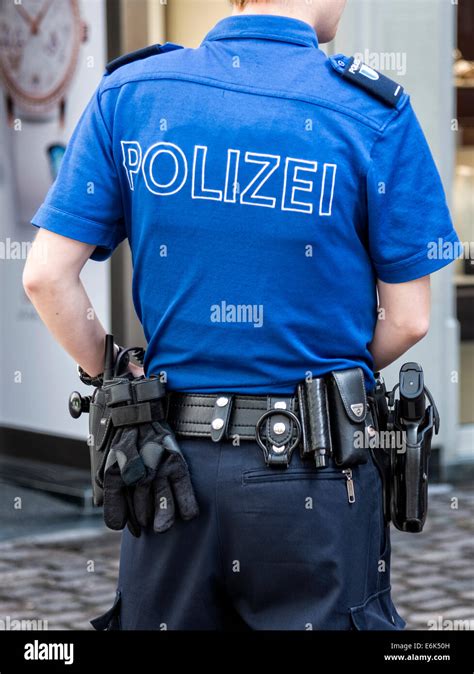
<point>144,475</point>
<point>123,468</point>
<point>167,485</point>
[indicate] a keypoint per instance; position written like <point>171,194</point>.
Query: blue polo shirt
<point>262,195</point>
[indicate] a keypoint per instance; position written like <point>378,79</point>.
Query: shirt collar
<point>264,27</point>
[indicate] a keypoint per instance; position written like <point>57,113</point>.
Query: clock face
<point>39,45</point>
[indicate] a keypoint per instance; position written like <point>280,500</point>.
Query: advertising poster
<point>52,57</point>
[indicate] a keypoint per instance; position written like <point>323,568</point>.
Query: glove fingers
<point>152,454</point>
<point>171,444</point>
<point>115,507</point>
<point>159,430</point>
<point>164,505</point>
<point>177,472</point>
<point>134,530</point>
<point>132,522</point>
<point>143,503</point>
<point>125,452</point>
<point>185,497</point>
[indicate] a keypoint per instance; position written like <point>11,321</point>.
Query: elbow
<point>31,281</point>
<point>37,280</point>
<point>418,330</point>
<point>414,329</point>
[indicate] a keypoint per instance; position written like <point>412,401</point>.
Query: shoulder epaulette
<point>140,54</point>
<point>379,85</point>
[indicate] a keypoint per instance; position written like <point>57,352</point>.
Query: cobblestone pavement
<point>66,579</point>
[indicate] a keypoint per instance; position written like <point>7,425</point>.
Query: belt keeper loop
<point>221,416</point>
<point>118,394</point>
<point>148,389</point>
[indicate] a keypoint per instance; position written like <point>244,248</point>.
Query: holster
<point>409,488</point>
<point>99,435</point>
<point>403,466</point>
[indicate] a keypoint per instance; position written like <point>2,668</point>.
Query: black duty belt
<point>273,421</point>
<point>278,423</point>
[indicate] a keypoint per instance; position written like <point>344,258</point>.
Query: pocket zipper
<point>349,485</point>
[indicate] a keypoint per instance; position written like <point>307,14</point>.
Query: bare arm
<point>404,317</point>
<point>56,291</point>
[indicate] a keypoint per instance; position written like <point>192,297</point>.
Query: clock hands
<point>24,14</point>
<point>40,16</point>
<point>36,22</point>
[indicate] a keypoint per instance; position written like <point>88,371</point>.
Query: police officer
<point>267,193</point>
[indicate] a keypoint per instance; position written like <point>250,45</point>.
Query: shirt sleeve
<point>84,203</point>
<point>410,230</point>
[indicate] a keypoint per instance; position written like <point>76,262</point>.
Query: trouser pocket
<point>308,543</point>
<point>262,476</point>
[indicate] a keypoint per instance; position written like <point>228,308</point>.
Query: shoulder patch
<point>140,54</point>
<point>379,85</point>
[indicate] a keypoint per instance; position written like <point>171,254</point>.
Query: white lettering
<point>296,183</point>
<point>132,159</point>
<point>164,167</point>
<point>199,167</point>
<point>270,163</point>
<point>180,174</point>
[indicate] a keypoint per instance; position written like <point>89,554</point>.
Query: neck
<point>295,9</point>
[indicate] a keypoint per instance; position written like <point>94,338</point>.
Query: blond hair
<point>239,3</point>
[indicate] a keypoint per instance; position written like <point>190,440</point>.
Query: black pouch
<point>347,412</point>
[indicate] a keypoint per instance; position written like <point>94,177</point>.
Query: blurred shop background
<point>426,45</point>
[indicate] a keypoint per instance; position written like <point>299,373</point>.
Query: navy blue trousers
<point>272,549</point>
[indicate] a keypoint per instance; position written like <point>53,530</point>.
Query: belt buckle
<point>274,454</point>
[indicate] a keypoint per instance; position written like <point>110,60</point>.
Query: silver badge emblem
<point>358,409</point>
